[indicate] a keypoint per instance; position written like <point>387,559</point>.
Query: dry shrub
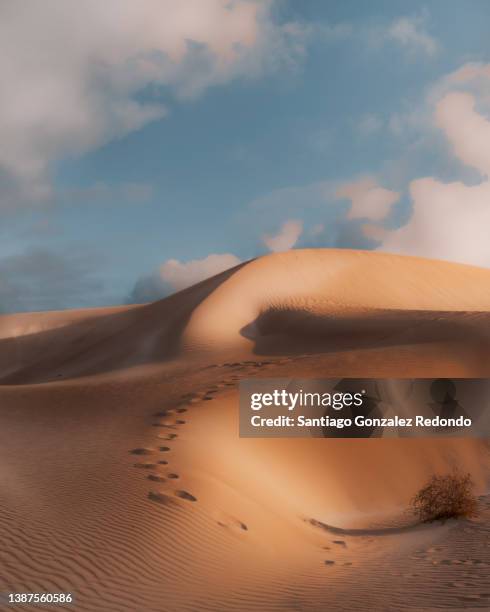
<point>444,497</point>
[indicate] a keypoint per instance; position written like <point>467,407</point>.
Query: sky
<point>147,145</point>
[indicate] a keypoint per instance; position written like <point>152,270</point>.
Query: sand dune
<point>311,291</point>
<point>299,301</point>
<point>48,346</point>
<point>124,480</point>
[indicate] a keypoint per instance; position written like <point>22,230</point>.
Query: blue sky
<point>133,149</point>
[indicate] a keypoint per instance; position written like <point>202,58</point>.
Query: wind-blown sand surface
<point>124,481</point>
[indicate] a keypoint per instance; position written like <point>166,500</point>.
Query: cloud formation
<point>368,199</point>
<point>286,238</point>
<point>174,275</point>
<point>450,220</point>
<point>411,33</point>
<point>180,275</point>
<point>447,220</point>
<point>74,68</point>
<point>321,214</point>
<point>467,131</point>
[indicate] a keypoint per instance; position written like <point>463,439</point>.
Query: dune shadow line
<point>140,335</point>
<point>297,331</point>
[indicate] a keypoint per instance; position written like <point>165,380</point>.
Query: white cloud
<point>451,220</point>
<point>180,275</point>
<point>417,119</point>
<point>468,132</point>
<point>286,238</point>
<point>174,275</point>
<point>411,33</point>
<point>474,75</point>
<point>369,200</point>
<point>71,70</point>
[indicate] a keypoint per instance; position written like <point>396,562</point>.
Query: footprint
<point>185,495</point>
<point>339,543</point>
<point>170,436</point>
<point>142,451</point>
<point>160,498</point>
<point>161,462</point>
<point>145,466</point>
<point>237,524</point>
<point>329,562</point>
<point>164,449</point>
<point>180,422</point>
<point>228,521</point>
<point>173,476</point>
<point>181,410</point>
<point>166,424</point>
<point>156,478</point>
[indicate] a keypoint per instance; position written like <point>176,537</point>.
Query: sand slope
<point>39,347</point>
<point>313,290</point>
<point>123,479</point>
<point>299,301</point>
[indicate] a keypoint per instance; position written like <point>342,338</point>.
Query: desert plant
<point>446,496</point>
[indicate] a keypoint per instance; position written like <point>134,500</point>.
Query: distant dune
<point>299,301</point>
<point>124,480</point>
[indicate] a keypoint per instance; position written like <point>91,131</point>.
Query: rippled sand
<point>124,480</point>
